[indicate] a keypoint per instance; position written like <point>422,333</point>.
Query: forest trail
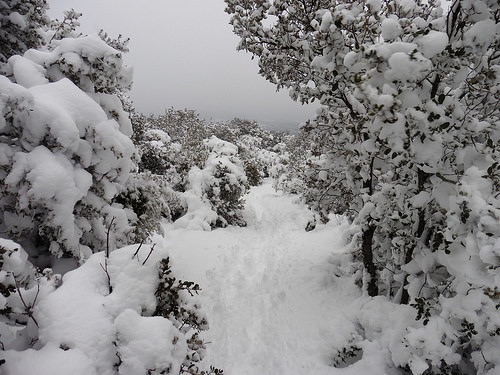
<point>272,303</point>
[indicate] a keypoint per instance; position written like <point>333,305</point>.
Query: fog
<point>184,56</point>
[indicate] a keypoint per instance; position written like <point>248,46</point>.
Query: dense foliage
<point>21,24</point>
<point>409,130</point>
<point>208,164</point>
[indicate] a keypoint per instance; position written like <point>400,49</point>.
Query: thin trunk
<point>368,260</point>
<point>422,179</point>
<point>367,246</point>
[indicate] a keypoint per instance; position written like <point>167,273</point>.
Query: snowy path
<point>272,305</point>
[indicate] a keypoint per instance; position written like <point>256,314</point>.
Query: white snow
<point>271,299</point>
<point>26,72</point>
<point>405,68</point>
<point>390,29</point>
<point>481,33</point>
<point>375,5</point>
<point>276,297</point>
<point>220,147</point>
<point>407,5</point>
<point>50,360</point>
<point>53,181</point>
<point>433,43</point>
<point>15,261</point>
<point>18,20</point>
<point>80,323</point>
<point>146,343</point>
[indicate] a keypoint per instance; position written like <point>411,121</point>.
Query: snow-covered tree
<point>66,153</point>
<point>409,126</point>
<point>67,160</point>
<point>22,23</point>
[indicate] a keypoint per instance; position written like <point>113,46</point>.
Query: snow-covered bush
<point>409,119</point>
<point>155,152</point>
<point>21,26</point>
<point>162,157</point>
<point>22,288</point>
<point>256,159</point>
<point>173,304</point>
<point>147,324</point>
<point>221,183</point>
<point>152,200</point>
<point>171,144</point>
<point>254,144</point>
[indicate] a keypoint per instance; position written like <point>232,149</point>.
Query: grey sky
<point>184,56</point>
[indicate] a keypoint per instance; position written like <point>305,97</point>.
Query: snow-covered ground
<point>269,290</point>
<point>273,304</point>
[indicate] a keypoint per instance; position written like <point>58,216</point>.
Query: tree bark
<point>367,248</point>
<point>422,179</point>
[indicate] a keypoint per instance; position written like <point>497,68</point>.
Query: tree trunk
<point>367,246</point>
<point>368,260</point>
<point>422,179</point>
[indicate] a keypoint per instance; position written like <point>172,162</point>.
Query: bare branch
<point>150,252</point>
<point>106,271</point>
<point>27,308</point>
<point>107,236</point>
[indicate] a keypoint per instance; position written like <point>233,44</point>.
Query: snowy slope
<point>273,306</point>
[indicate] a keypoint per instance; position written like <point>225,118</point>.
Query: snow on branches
<point>63,158</point>
<point>220,185</point>
<point>67,161</point>
<point>147,324</point>
<point>409,126</point>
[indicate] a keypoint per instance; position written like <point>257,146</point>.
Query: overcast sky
<point>184,56</point>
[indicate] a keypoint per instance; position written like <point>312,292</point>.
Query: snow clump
<point>101,332</point>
